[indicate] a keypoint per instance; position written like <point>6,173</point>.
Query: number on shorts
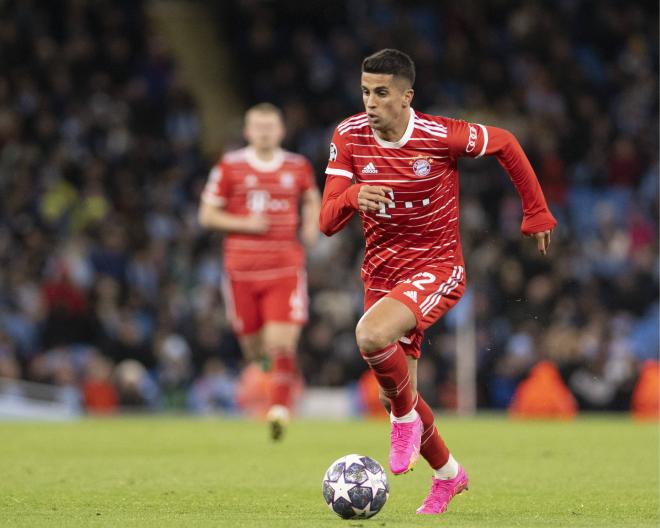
<point>427,278</point>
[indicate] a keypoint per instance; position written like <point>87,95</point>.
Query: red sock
<point>433,447</point>
<point>284,376</point>
<point>391,370</point>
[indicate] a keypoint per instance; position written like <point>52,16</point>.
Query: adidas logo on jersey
<point>369,168</point>
<point>411,294</point>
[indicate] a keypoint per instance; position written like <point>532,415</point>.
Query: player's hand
<point>371,196</point>
<point>255,224</point>
<point>542,241</point>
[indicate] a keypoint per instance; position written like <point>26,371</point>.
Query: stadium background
<point>110,120</point>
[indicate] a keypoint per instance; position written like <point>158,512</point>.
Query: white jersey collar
<point>264,166</point>
<point>404,139</point>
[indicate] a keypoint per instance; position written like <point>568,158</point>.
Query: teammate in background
<point>398,168</point>
<point>253,194</point>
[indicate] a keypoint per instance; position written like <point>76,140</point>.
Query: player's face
<point>263,130</point>
<point>385,99</point>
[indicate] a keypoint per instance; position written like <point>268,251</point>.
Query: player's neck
<point>398,129</point>
<point>265,154</point>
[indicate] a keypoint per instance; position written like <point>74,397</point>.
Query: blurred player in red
<point>398,169</point>
<point>253,194</point>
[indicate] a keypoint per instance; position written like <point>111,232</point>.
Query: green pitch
<point>146,472</point>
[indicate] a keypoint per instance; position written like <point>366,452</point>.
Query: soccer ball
<point>355,487</point>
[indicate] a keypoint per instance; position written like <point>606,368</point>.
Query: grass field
<point>161,472</point>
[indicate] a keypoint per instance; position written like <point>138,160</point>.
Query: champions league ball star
<point>355,487</point>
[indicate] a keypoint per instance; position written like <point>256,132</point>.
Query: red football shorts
<point>253,302</point>
<point>428,294</point>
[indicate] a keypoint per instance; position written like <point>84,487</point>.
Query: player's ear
<point>408,97</point>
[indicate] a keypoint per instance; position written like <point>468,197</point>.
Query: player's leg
<point>251,347</point>
<point>241,304</point>
<point>432,448</point>
<point>436,293</point>
<point>284,310</point>
<point>280,343</point>
<point>377,334</point>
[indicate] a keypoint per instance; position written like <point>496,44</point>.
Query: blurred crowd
<point>107,283</point>
<point>109,286</point>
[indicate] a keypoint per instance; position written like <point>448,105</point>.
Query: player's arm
<point>311,205</point>
<point>478,140</point>
<point>215,217</point>
<point>211,213</point>
<point>342,197</point>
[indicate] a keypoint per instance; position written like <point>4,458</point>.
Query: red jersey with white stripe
<point>421,230</point>
<point>242,184</point>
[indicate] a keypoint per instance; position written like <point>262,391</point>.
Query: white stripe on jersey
<point>365,180</point>
<point>431,124</point>
<point>375,156</point>
<point>394,157</point>
<point>354,127</point>
<point>358,120</point>
<point>418,216</point>
<point>433,132</point>
<point>427,139</point>
<point>351,120</point>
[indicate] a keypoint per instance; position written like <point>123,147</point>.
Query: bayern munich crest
<point>421,167</point>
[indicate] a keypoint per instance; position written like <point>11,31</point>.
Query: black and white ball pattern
<point>355,487</point>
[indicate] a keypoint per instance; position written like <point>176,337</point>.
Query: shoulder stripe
<point>351,119</point>
<point>432,124</point>
<point>433,132</point>
<point>357,125</point>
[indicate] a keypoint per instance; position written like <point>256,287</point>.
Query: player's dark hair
<point>390,61</point>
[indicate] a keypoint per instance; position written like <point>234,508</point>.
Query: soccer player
<point>398,169</point>
<point>253,194</point>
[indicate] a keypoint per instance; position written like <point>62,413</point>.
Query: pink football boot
<point>442,491</point>
<point>405,439</point>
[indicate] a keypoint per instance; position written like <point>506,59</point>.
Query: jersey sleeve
<point>307,180</point>
<point>475,140</point>
<point>216,189</point>
<point>340,162</point>
<point>466,139</point>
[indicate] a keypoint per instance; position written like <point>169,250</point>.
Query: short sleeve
<point>466,139</point>
<point>307,180</point>
<point>340,162</point>
<point>216,189</point>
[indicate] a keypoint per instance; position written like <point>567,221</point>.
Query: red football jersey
<point>421,229</point>
<point>243,184</point>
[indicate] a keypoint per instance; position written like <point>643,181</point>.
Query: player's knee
<point>370,339</point>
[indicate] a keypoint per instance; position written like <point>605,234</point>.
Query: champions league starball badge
<point>421,167</point>
<point>333,152</point>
